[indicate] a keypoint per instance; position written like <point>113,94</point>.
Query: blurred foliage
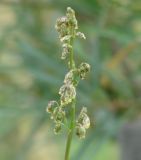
<point>31,73</point>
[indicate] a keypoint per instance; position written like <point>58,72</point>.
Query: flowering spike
<point>67,28</point>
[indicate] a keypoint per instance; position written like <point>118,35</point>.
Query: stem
<point>71,129</point>
<point>72,122</point>
<point>71,60</point>
<point>72,64</point>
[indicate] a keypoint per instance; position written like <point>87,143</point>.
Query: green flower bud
<point>70,12</point>
<point>84,68</point>
<point>71,18</point>
<point>68,93</point>
<point>57,128</point>
<point>58,114</point>
<point>80,131</point>
<point>51,105</point>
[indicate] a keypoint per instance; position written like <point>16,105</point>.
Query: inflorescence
<point>67,28</point>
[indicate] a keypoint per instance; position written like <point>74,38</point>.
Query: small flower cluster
<point>57,114</point>
<point>67,28</point>
<point>83,69</point>
<point>68,91</point>
<point>82,123</point>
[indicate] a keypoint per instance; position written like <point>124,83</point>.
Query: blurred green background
<point>31,73</point>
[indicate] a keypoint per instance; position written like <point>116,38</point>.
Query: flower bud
<point>65,39</point>
<point>81,35</point>
<point>57,128</point>
<point>80,131</point>
<point>70,11</point>
<point>68,93</point>
<point>51,105</point>
<point>71,18</point>
<point>62,26</point>
<point>83,118</point>
<point>66,50</point>
<point>60,21</point>
<point>86,122</point>
<point>72,77</point>
<point>58,114</point>
<point>84,68</point>
<point>69,77</point>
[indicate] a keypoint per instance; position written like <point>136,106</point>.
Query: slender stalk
<point>68,29</point>
<point>72,122</point>
<point>70,132</point>
<point>71,58</point>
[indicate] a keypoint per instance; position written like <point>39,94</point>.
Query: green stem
<point>71,129</point>
<point>71,60</point>
<point>72,64</point>
<point>72,122</point>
